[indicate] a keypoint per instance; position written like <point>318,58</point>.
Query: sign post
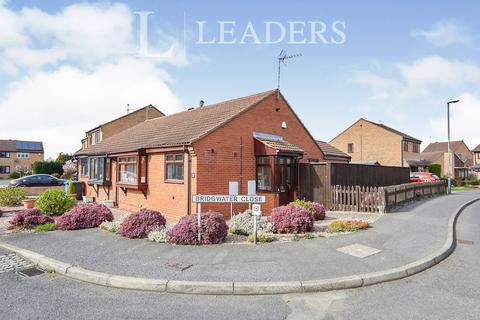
<point>256,212</point>
<point>220,198</point>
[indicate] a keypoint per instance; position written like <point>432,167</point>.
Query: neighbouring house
<point>17,155</point>
<point>332,154</point>
<point>476,159</point>
<point>370,142</point>
<point>160,163</point>
<point>437,153</point>
<point>117,125</point>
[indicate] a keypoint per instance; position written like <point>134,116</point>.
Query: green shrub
<point>14,175</point>
<point>295,237</point>
<point>45,227</point>
<point>54,202</point>
<point>347,225</point>
<point>435,169</point>
<point>309,236</point>
<point>12,196</point>
<point>48,167</point>
<point>262,237</point>
<point>475,182</point>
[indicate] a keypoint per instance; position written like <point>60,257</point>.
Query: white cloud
<point>76,68</point>
<point>464,121</point>
<point>58,107</point>
<point>445,33</point>
<point>84,33</point>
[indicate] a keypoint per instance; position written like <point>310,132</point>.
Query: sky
<point>66,66</point>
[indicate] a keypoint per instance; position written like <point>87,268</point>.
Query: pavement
<point>409,235</point>
<point>449,290</point>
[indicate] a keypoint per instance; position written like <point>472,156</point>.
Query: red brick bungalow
<point>162,162</point>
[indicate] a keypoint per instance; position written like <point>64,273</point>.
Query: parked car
<point>423,177</point>
<point>37,180</point>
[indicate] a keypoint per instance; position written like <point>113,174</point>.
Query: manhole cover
<point>358,250</point>
<point>30,272</point>
<point>178,266</point>
<point>465,241</point>
<point>11,262</point>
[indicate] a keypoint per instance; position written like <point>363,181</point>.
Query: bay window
<point>99,170</point>
<point>174,167</point>
<point>84,167</point>
<point>132,170</point>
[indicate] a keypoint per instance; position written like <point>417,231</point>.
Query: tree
<point>47,167</point>
<point>435,169</point>
<point>63,157</point>
<point>69,169</point>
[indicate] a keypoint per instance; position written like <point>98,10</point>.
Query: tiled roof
<point>281,145</point>
<point>144,109</point>
<point>405,136</point>
<point>21,145</point>
<point>176,129</point>
<point>454,145</point>
<point>477,149</point>
<point>330,151</point>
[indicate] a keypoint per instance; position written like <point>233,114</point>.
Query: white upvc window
<point>23,155</point>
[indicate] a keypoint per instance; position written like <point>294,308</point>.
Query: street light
<point>449,190</point>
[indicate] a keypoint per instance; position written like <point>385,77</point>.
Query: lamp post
<point>449,189</point>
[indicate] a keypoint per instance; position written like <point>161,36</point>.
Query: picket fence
<point>381,199</point>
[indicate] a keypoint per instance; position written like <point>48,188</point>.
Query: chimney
<point>202,103</point>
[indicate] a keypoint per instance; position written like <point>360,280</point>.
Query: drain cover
<point>30,272</point>
<point>11,262</point>
<point>178,266</point>
<point>465,241</point>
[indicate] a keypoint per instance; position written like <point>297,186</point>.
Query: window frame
<point>141,170</point>
<point>269,165</point>
<point>84,168</point>
<point>174,161</point>
<point>4,154</point>
<point>6,171</point>
<point>405,146</point>
<point>106,173</point>
<point>23,155</point>
<point>350,148</point>
<point>416,147</point>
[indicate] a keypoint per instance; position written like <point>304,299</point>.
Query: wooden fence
<point>357,198</point>
<point>317,180</point>
<point>381,199</point>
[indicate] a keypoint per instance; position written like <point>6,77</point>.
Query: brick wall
<point>371,143</point>
<point>233,156</point>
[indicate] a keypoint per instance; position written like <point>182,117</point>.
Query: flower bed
<point>315,208</point>
<point>347,225</point>
<point>242,224</point>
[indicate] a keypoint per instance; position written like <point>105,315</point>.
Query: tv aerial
<point>282,57</point>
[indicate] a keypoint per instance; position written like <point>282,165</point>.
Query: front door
<point>286,173</point>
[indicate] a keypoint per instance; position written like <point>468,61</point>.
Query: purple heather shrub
<point>319,213</point>
<point>83,216</point>
<point>139,224</point>
<point>29,218</point>
<point>292,219</point>
<point>214,229</point>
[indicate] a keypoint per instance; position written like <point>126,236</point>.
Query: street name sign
<point>218,198</point>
